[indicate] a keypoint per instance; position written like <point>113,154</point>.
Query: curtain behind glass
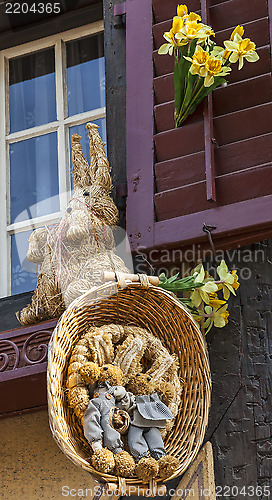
<point>85,74</point>
<point>32,90</point>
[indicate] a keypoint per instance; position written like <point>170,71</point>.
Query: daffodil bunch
<point>202,291</point>
<point>201,65</point>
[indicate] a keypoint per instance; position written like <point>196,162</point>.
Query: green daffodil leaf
<point>173,278</point>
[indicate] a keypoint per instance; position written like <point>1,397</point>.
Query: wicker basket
<point>158,311</point>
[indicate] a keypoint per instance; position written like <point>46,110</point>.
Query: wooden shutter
<point>240,128</point>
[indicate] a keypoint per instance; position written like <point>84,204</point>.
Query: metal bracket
<point>207,229</point>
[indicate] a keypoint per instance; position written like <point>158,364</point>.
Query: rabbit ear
<point>81,169</point>
<point>160,367</point>
<point>129,354</point>
<point>99,165</point>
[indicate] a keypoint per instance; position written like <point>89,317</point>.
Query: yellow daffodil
<point>210,62</point>
<point>236,283</point>
<point>168,47</point>
<point>192,30</point>
<point>201,294</point>
<point>214,68</point>
<point>220,52</point>
<point>241,48</point>
<point>198,273</point>
<point>199,61</point>
<point>182,10</point>
<point>193,17</point>
<point>208,31</point>
<point>216,303</point>
<point>176,25</point>
<point>170,37</point>
<point>221,316</point>
<point>240,30</point>
<point>217,317</point>
<point>228,279</point>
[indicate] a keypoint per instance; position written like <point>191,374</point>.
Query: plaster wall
<point>33,467</point>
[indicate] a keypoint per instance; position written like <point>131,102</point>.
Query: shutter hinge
<point>119,15</point>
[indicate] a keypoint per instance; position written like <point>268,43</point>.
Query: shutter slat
<point>180,171</point>
<point>165,64</point>
<point>230,158</point>
<point>180,141</point>
<point>235,12</point>
<point>227,129</point>
<point>257,30</point>
<point>229,11</point>
<point>243,124</point>
<point>235,97</point>
<point>166,9</point>
<point>247,184</point>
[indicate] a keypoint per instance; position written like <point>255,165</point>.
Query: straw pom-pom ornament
<point>103,460</point>
<point>90,372</point>
<point>124,464</point>
<point>147,469</point>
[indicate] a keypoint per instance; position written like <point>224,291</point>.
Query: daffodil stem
<point>185,96</point>
<point>196,86</point>
<point>207,315</point>
<point>186,112</point>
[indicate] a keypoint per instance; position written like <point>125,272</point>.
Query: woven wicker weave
<point>159,312</point>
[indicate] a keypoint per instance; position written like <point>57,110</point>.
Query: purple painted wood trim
<point>227,219</point>
<point>22,412</point>
<point>270,26</point>
<point>25,371</point>
<point>119,9</point>
<point>27,330</point>
<point>208,127</point>
<point>140,149</point>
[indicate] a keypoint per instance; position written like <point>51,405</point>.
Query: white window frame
<point>61,126</point>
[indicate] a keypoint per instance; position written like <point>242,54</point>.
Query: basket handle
<point>122,277</point>
<point>144,280</point>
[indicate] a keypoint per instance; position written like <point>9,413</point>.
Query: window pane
<point>83,132</point>
<point>23,273</point>
<point>34,184</point>
<point>32,90</point>
<point>85,74</point>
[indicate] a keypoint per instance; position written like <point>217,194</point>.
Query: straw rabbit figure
<point>73,253</point>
